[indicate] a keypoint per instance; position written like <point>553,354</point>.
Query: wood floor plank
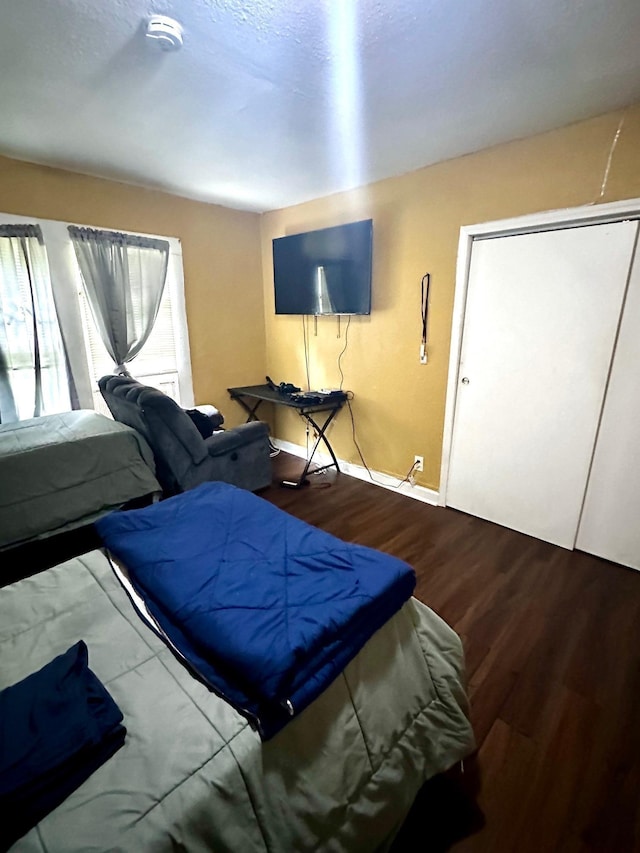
<point>507,758</point>
<point>563,751</point>
<point>552,644</point>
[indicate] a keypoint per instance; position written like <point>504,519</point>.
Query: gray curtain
<point>34,378</point>
<point>123,277</point>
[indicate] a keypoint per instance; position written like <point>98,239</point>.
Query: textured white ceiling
<point>273,102</point>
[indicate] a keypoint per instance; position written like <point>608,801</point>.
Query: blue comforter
<point>266,609</point>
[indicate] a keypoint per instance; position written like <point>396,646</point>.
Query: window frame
<point>65,276</point>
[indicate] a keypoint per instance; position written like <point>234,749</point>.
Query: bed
<point>62,471</point>
<point>193,775</point>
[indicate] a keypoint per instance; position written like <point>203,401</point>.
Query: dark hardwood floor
<point>552,644</point>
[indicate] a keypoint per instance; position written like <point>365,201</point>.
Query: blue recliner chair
<point>184,458</point>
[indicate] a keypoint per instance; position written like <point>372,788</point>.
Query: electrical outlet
<point>418,463</point>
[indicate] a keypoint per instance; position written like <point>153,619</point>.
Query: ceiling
<point>273,102</point>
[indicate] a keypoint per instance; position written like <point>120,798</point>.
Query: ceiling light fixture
<point>165,32</point>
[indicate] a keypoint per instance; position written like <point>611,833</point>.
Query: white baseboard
<point>418,493</point>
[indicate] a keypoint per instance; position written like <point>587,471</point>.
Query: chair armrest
<point>221,443</point>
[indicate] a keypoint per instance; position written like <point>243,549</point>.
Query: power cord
<point>273,450</point>
<point>306,429</point>
<point>409,475</point>
<point>306,350</point>
<point>344,349</point>
<point>406,479</point>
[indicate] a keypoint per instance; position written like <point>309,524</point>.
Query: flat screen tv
<point>324,272</point>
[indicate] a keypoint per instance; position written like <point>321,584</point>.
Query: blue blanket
<point>57,726</point>
<point>266,609</point>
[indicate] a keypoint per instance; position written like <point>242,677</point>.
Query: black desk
<point>251,396</point>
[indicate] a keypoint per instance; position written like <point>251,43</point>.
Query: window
<point>157,362</point>
<point>34,369</point>
<point>163,362</point>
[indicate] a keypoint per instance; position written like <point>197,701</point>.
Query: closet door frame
<point>544,221</point>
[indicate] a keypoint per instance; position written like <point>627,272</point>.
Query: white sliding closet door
<point>610,523</point>
<point>540,321</point>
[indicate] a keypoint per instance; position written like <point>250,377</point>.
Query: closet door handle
<point>465,380</point>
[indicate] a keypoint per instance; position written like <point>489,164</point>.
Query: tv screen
<point>324,272</point>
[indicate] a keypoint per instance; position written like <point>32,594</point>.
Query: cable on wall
<point>344,349</point>
<point>425,286</point>
<point>405,479</point>
<point>306,349</point>
<point>408,477</point>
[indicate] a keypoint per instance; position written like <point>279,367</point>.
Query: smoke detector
<point>165,32</point>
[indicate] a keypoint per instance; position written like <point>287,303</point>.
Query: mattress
<point>60,471</point>
<point>194,776</point>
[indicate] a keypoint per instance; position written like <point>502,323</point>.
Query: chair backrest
<point>176,443</point>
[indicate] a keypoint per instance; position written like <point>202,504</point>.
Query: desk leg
<point>251,410</point>
<point>320,430</point>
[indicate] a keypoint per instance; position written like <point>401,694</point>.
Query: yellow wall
<point>399,403</point>
<point>221,256</point>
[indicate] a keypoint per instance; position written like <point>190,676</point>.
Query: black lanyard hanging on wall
<point>424,312</point>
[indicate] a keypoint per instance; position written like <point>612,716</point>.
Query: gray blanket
<point>59,471</point>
